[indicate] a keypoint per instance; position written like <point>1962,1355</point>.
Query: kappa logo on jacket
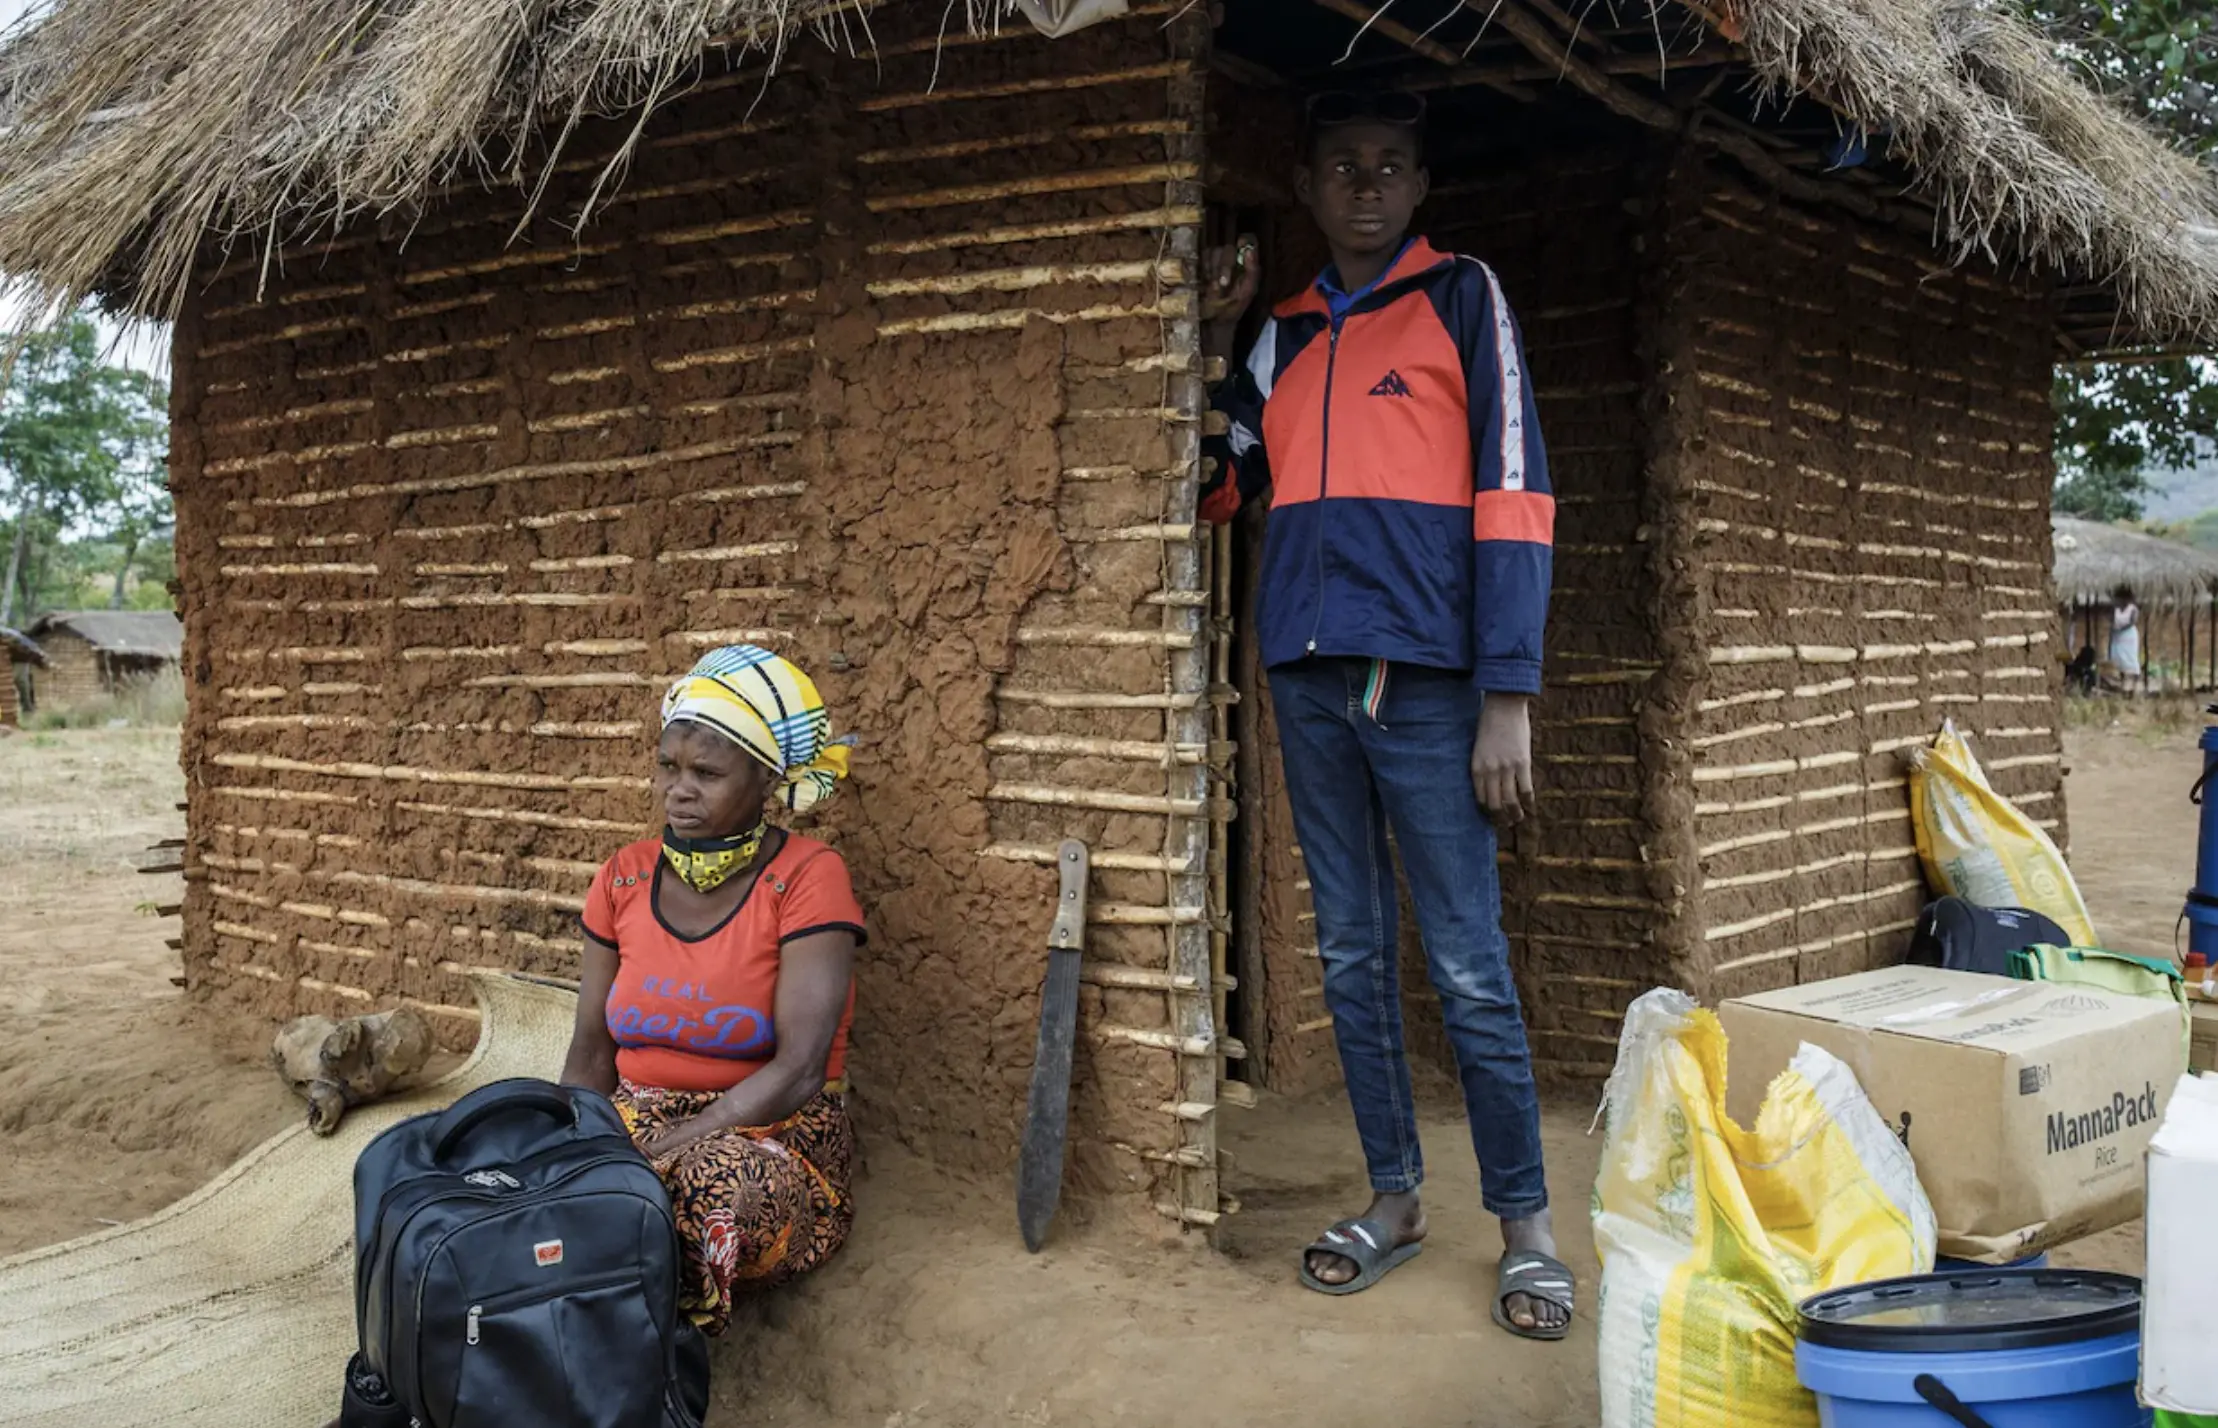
<point>1391,385</point>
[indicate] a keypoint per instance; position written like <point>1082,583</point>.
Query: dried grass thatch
<point>2016,151</point>
<point>23,647</point>
<point>132,130</point>
<point>2094,560</point>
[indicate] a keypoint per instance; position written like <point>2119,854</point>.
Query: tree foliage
<point>2115,423</point>
<point>81,446</point>
<point>2161,56</point>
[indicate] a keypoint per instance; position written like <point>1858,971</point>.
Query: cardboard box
<point>2026,1105</point>
<point>2178,1371</point>
<point>2202,1052</point>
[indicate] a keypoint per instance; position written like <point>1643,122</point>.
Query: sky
<point>148,347</point>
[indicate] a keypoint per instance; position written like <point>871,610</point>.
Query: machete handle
<point>1073,863</point>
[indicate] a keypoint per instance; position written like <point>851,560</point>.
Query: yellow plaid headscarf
<point>767,706</point>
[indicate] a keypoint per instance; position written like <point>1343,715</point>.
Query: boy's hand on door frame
<point>1502,759</point>
<point>1229,279</point>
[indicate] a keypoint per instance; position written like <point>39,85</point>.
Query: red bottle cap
<point>2197,959</point>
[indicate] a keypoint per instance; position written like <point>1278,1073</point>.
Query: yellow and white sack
<point>1976,845</point>
<point>1710,1234</point>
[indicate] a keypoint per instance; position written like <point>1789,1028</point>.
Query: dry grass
<point>2155,719</point>
<point>157,702</point>
<point>2093,560</point>
<point>136,129</point>
<point>86,802</point>
<point>2018,153</point>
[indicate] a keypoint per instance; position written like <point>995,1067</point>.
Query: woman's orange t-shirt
<point>698,1014</point>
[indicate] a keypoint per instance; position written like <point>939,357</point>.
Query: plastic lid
<point>2197,959</point>
<point>1978,1312</point>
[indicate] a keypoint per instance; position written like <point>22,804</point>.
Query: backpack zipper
<point>398,1193</point>
<point>537,1293</point>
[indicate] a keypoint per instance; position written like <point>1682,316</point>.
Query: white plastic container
<point>2178,1370</point>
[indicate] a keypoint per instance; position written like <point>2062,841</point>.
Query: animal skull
<point>337,1065</point>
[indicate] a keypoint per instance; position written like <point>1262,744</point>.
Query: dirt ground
<point>115,1099</point>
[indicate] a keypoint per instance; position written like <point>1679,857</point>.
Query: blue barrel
<point>2202,901</point>
<point>2011,1348</point>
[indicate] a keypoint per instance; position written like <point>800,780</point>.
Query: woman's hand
<point>673,1138</point>
<point>1502,759</point>
<point>1229,279</point>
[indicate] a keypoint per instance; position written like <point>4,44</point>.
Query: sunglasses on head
<point>1339,107</point>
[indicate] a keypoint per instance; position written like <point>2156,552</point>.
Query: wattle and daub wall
<point>1859,466</point>
<point>891,368</point>
<point>896,371</point>
<point>72,674</point>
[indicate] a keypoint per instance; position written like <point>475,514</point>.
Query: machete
<point>1047,1115</point>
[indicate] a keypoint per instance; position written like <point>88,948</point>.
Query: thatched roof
<point>131,129</point>
<point>134,634</point>
<point>2093,560</point>
<point>21,646</point>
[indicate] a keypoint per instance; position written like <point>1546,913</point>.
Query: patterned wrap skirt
<point>756,1207</point>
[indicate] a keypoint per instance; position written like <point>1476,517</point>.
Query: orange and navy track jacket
<point>1411,515</point>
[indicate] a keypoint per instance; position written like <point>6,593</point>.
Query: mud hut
<point>2175,585</point>
<point>17,652</point>
<point>516,361</point>
<point>92,654</point>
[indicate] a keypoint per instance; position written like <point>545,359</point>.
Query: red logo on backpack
<point>548,1253</point>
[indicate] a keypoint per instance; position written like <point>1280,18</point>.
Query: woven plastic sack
<point>1711,1234</point>
<point>1976,845</point>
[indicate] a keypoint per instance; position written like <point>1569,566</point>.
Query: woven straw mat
<point>235,1306</point>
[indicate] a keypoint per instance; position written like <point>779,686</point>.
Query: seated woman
<point>718,983</point>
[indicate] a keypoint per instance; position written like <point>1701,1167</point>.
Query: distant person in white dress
<point>2125,638</point>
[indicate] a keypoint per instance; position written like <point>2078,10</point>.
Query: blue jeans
<point>1352,771</point>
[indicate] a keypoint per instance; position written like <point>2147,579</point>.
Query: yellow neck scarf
<point>706,864</point>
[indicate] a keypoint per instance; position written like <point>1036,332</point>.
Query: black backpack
<point>1966,937</point>
<point>516,1263</point>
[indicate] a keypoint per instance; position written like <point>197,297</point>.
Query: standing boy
<point>1404,587</point>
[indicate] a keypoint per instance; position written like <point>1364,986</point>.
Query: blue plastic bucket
<point>2017,1348</point>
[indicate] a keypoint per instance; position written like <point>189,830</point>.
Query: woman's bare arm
<point>592,1059</point>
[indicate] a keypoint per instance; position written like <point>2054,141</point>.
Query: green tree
<point>2161,56</point>
<point>2117,421</point>
<point>80,448</point>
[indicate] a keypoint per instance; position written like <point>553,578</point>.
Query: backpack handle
<point>495,1100</point>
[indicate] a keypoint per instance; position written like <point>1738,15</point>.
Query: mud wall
<point>9,714</point>
<point>72,673</point>
<point>1564,233</point>
<point>890,366</point>
<point>1862,438</point>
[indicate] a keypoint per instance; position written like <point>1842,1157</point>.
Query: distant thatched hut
<point>2175,586</point>
<point>18,651</point>
<point>893,364</point>
<point>92,654</point>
